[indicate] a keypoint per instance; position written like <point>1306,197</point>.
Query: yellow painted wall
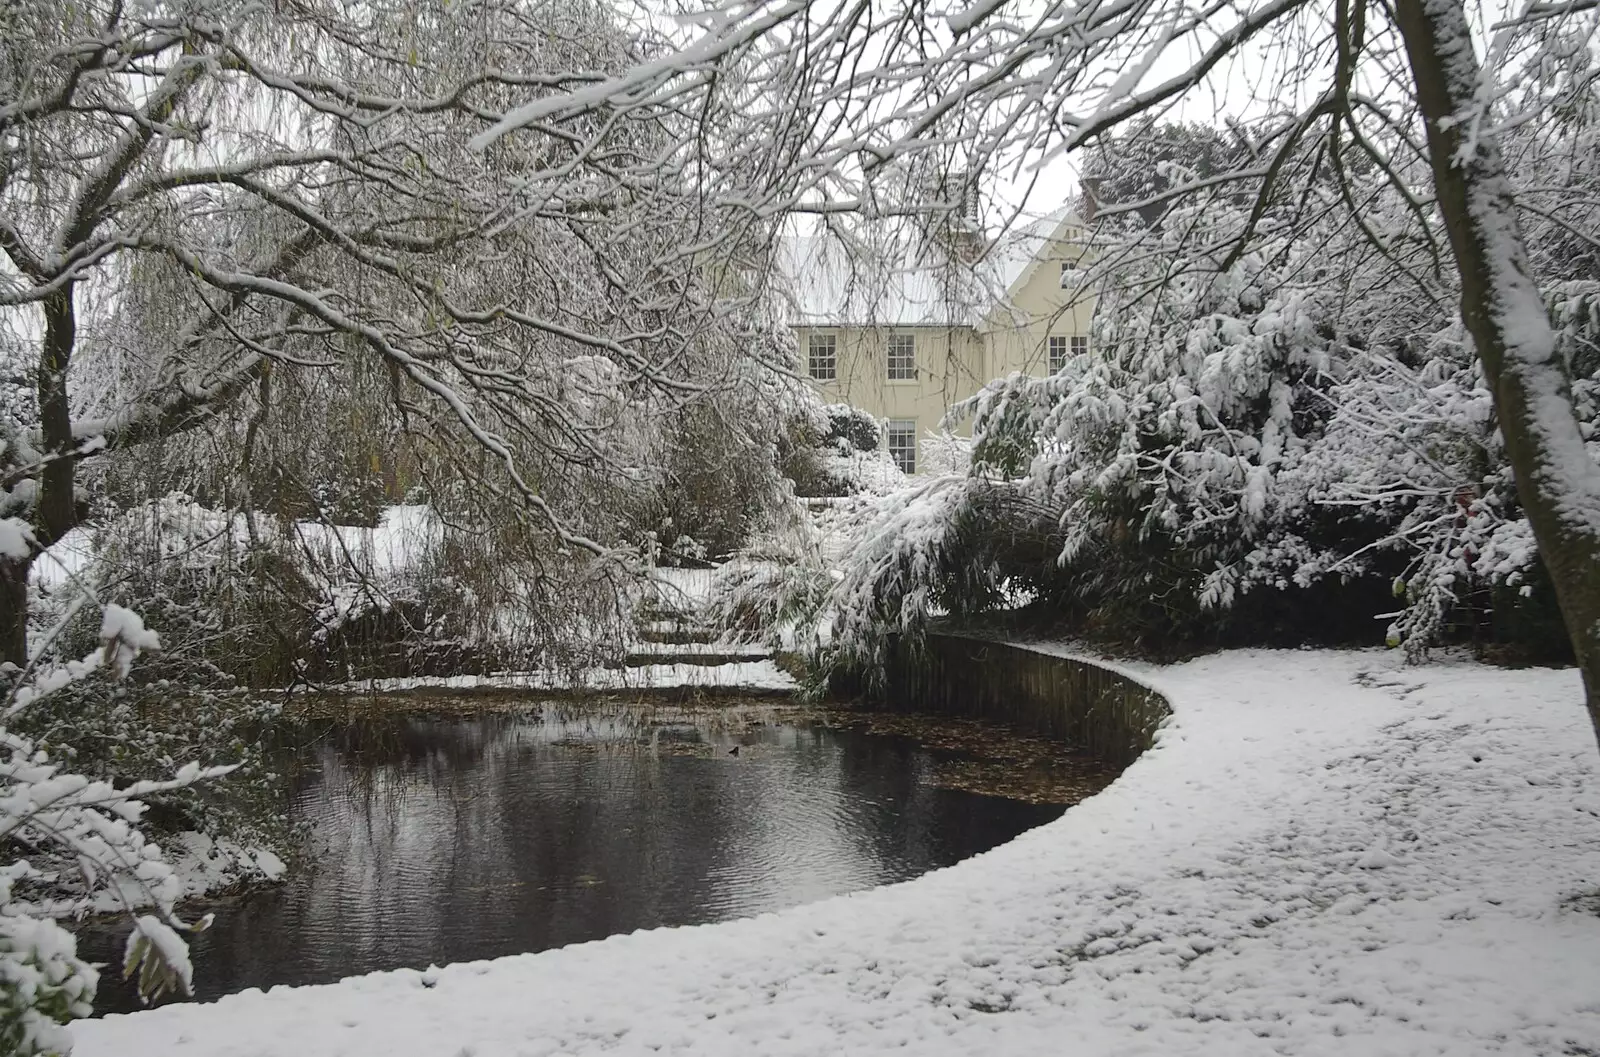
<point>950,367</point>
<point>1015,344</point>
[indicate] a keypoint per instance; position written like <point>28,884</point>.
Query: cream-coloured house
<point>905,342</point>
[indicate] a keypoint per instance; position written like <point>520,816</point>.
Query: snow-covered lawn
<point>1326,853</point>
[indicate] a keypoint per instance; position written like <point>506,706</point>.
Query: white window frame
<point>1057,347</point>
<point>1070,275</point>
<point>900,358</point>
<point>1080,344</point>
<point>900,437</point>
<point>822,357</point>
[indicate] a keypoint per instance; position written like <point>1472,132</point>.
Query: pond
<point>442,838</point>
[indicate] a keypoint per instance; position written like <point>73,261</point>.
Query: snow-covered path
<point>1326,853</point>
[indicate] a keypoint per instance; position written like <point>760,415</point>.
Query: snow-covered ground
<point>1326,853</point>
<point>684,590</point>
<point>755,675</point>
<point>691,651</point>
<point>403,536</point>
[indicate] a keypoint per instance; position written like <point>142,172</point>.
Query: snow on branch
<point>70,826</point>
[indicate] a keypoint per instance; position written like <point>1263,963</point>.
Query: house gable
<point>1032,277</point>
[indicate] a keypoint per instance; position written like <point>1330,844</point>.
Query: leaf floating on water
<point>989,758</point>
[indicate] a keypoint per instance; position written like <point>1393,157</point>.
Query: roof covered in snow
<point>893,281</point>
<point>830,283</point>
<point>1021,246</point>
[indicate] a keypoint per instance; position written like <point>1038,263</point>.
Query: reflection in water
<point>450,839</point>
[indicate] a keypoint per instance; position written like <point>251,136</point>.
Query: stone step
<point>659,614</point>
<point>694,653</point>
<point>703,660</point>
<point>676,633</point>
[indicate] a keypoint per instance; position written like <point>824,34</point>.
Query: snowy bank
<point>203,866</point>
<point>755,676</point>
<point>207,866</point>
<point>1325,853</point>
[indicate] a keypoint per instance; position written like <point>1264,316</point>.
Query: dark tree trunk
<point>1558,482</point>
<point>14,611</point>
<point>56,509</point>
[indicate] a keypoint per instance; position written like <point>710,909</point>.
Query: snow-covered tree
<point>199,199</point>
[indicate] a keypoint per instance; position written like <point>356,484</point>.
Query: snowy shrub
<point>72,844</point>
<point>1164,453</point>
<point>43,984</point>
<point>1413,454</point>
<point>944,454</point>
<point>863,472</point>
<point>125,731</point>
<point>230,607</point>
<point>833,450</point>
<point>930,549</point>
<point>776,591</point>
<point>229,592</point>
<point>845,456</point>
<point>851,429</point>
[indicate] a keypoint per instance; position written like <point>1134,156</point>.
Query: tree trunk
<point>56,510</point>
<point>1558,482</point>
<point>14,612</point>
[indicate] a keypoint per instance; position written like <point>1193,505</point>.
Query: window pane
<point>1080,345</point>
<point>902,357</point>
<point>1058,353</point>
<point>902,436</point>
<point>822,357</point>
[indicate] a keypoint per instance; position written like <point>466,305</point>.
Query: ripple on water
<point>442,839</point>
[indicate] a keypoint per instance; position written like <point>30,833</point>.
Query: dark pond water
<point>443,839</point>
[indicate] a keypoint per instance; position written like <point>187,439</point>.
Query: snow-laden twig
<point>55,823</point>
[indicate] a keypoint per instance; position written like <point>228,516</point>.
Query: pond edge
<point>1108,712</point>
